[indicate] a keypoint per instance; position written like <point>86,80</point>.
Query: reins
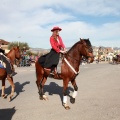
<point>64,57</point>
<point>72,68</point>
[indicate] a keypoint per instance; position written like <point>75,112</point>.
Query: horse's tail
<point>36,68</point>
<point>39,69</point>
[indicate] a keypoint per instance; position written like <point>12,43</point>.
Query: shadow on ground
<point>114,63</point>
<point>7,114</point>
<point>18,88</point>
<point>54,88</point>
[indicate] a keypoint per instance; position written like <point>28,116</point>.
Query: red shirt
<point>55,44</point>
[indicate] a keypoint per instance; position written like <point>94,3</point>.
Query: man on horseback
<point>118,56</point>
<point>4,59</point>
<point>50,61</point>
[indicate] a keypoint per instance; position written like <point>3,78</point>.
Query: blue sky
<point>98,20</point>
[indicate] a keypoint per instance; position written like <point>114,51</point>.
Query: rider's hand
<point>65,49</point>
<point>62,51</point>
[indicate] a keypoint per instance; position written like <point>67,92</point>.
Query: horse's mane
<point>87,42</point>
<point>79,42</point>
<point>13,48</point>
<point>74,45</point>
<point>10,50</point>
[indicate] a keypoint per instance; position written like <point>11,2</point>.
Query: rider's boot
<point>53,73</point>
<point>56,75</point>
<point>12,74</point>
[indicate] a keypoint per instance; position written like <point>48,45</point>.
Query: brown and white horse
<point>116,60</point>
<point>13,54</point>
<point>69,69</point>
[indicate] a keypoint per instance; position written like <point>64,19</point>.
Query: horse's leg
<point>10,79</point>
<point>65,86</point>
<point>3,89</point>
<point>12,66</point>
<point>40,83</point>
<point>41,92</point>
<point>72,100</point>
<point>39,78</point>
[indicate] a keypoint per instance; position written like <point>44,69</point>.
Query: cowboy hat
<point>56,28</point>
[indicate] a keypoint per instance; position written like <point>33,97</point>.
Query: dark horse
<point>69,69</point>
<point>13,54</point>
<point>116,59</point>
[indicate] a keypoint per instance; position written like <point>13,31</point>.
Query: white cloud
<point>95,7</point>
<point>33,20</point>
<point>106,34</point>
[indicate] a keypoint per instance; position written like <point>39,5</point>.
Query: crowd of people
<point>27,60</point>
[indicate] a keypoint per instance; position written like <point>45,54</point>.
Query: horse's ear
<point>83,42</point>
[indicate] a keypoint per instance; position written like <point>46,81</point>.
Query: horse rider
<point>4,59</point>
<point>50,61</point>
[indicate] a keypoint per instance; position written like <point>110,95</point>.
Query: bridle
<point>67,54</point>
<point>87,49</point>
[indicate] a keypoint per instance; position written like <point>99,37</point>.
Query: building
<point>4,45</point>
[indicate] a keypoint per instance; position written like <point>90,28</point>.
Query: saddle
<point>56,72</point>
<point>2,64</point>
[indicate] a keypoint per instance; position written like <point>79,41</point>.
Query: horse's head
<point>17,52</point>
<point>87,50</point>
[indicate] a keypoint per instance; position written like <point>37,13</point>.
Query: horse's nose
<point>91,59</point>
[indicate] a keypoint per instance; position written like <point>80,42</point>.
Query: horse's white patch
<point>74,94</point>
<point>65,99</point>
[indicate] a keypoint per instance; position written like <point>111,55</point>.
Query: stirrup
<point>47,69</point>
<point>51,73</point>
<point>57,76</point>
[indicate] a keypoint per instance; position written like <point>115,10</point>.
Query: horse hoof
<point>45,97</point>
<point>10,98</point>
<point>4,96</point>
<point>41,98</point>
<point>66,106</point>
<point>72,100</point>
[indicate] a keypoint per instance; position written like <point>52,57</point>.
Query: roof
<point>3,42</point>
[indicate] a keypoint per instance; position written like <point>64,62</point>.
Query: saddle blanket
<point>1,66</point>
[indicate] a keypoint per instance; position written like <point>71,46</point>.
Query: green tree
<point>29,53</point>
<point>22,45</point>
